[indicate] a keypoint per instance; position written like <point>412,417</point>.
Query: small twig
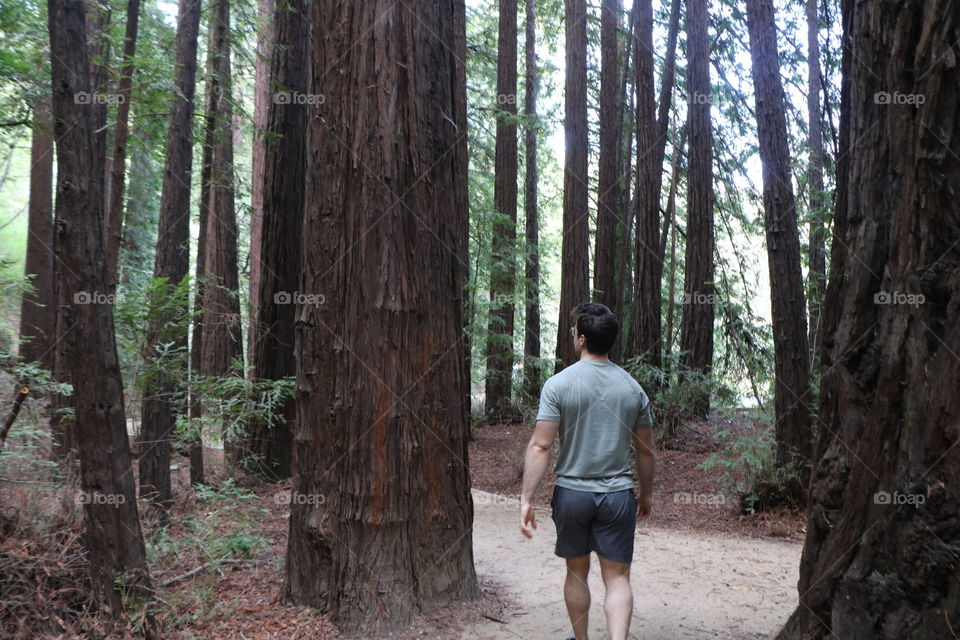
<point>196,570</point>
<point>494,618</point>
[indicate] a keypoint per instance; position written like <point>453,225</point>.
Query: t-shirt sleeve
<point>549,403</point>
<point>644,417</point>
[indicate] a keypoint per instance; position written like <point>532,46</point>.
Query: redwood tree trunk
<point>531,341</point>
<point>817,253</point>
<point>381,519</point>
<point>38,308</point>
<point>880,559</point>
<point>652,125</point>
<point>222,338</point>
<point>574,279</point>
<point>262,92</point>
<point>172,263</point>
<point>696,327</point>
<point>609,185</point>
<point>118,164</point>
<point>503,279</point>
<point>115,549</point>
<point>200,270</point>
<point>788,313</point>
<point>268,450</point>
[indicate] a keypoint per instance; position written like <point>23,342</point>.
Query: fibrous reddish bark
<point>381,515</point>
<point>880,559</point>
<point>575,250</point>
<point>268,449</point>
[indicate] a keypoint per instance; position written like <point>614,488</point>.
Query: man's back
<point>598,405</point>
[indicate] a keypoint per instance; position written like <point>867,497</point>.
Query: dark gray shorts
<point>601,522</point>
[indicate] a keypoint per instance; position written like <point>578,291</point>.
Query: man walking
<point>599,411</point>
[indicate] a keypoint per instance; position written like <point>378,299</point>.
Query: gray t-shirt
<point>598,405</point>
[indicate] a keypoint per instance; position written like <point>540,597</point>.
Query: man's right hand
<point>644,506</point>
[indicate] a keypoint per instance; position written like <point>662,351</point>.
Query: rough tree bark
<point>503,277</point>
<point>696,326</point>
<point>531,341</point>
<point>172,263</point>
<point>268,449</point>
<point>381,515</point>
<point>791,367</point>
<point>574,279</point>
<point>817,275</point>
<point>652,122</point>
<point>38,308</point>
<point>222,339</point>
<point>262,92</point>
<point>118,163</point>
<point>609,185</point>
<point>86,345</point>
<point>881,554</point>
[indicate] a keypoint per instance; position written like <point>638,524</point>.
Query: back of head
<point>598,325</point>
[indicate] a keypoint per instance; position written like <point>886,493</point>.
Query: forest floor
<point>702,569</point>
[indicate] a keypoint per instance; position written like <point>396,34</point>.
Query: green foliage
<point>232,402</point>
<point>673,390</point>
<point>747,467</point>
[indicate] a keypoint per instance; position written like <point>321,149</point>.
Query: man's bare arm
<point>646,465</point>
<point>534,469</point>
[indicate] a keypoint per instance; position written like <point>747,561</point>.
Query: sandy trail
<point>686,585</point>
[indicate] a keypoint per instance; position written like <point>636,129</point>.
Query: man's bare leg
<point>618,601</point>
<point>576,593</point>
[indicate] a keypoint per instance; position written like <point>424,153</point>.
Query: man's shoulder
<point>631,382</point>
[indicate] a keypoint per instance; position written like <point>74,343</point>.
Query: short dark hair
<point>598,325</point>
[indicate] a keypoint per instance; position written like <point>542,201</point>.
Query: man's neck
<point>586,355</point>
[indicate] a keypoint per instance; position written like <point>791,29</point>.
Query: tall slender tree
<point>652,120</point>
<point>817,242</point>
<point>262,92</point>
<point>168,327</point>
<point>880,554</point>
<point>611,131</point>
<point>575,250</point>
<point>788,311</point>
<point>383,527</point>
<point>696,326</point>
<point>85,342</point>
<point>531,341</point>
<point>222,342</point>
<point>503,277</point>
<point>38,308</point>
<point>118,161</point>
<point>268,449</point>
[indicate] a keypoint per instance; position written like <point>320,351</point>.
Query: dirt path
<point>686,585</point>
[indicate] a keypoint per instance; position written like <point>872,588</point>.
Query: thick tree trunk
<point>268,449</point>
<point>788,313</point>
<point>172,263</point>
<point>652,122</point>
<point>115,549</point>
<point>531,341</point>
<point>696,327</point>
<point>817,275</point>
<point>880,559</point>
<point>575,259</point>
<point>503,277</point>
<point>222,340</point>
<point>38,308</point>
<point>118,163</point>
<point>609,186</point>
<point>381,515</point>
<point>262,92</point>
